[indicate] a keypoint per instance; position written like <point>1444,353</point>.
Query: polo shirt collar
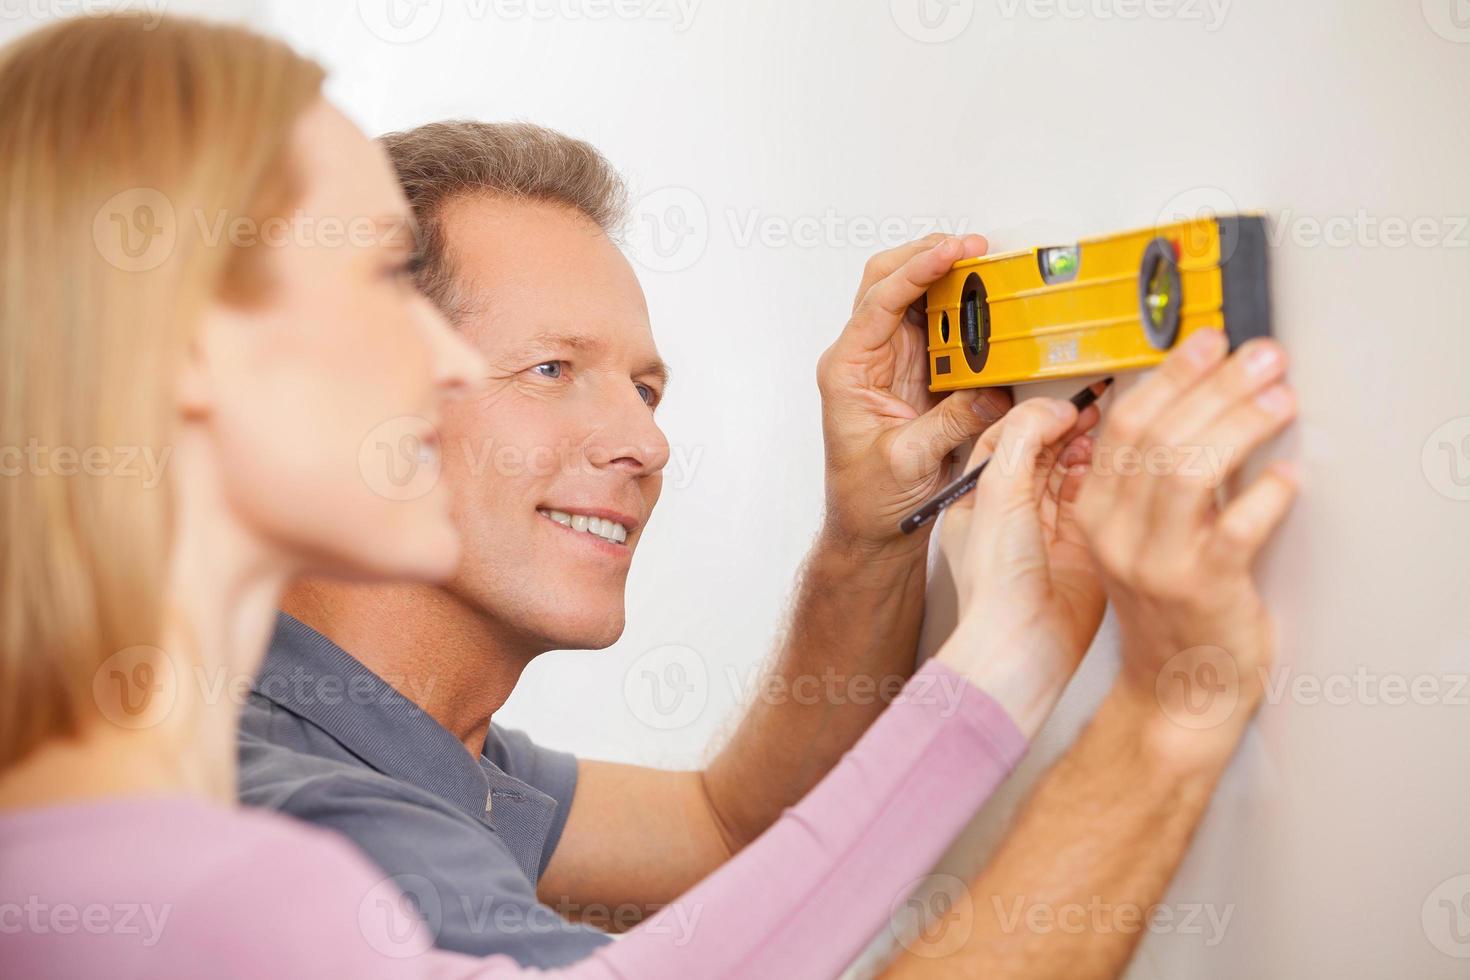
<point>310,676</point>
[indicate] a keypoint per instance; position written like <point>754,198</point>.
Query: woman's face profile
<point>321,398</point>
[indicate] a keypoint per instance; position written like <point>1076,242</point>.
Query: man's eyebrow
<point>554,340</point>
<point>565,341</point>
<point>658,369</point>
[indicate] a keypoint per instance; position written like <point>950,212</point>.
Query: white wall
<point>1338,841</point>
<point>1342,826</point>
<point>19,16</point>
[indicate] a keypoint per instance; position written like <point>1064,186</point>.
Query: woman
<point>207,267</point>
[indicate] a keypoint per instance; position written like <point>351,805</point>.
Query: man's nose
<point>627,437</point>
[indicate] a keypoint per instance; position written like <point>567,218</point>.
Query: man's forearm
<point>847,649</point>
<point>636,837</point>
<point>1069,891</point>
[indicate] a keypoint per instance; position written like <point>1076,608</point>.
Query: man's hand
<point>1030,600</point>
<point>888,438</point>
<point>1176,566</point>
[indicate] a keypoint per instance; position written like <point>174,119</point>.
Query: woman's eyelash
<point>410,267</point>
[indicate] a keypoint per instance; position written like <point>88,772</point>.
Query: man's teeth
<point>602,528</point>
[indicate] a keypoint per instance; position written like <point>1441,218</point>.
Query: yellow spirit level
<point>1103,305</point>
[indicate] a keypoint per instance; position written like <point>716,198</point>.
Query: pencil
<point>966,483</point>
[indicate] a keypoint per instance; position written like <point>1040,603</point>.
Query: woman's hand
<point>1030,600</point>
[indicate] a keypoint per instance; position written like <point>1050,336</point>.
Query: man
<point>515,227</point>
<point>372,714</point>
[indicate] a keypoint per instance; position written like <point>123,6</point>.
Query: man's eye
<point>551,369</point>
<point>649,396</point>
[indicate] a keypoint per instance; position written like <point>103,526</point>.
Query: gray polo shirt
<point>325,740</point>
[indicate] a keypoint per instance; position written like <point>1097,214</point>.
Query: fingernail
<point>1276,400</point>
<point>1261,358</point>
<point>1063,410</point>
<point>989,408</point>
<point>1204,346</point>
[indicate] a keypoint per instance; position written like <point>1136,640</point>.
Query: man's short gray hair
<point>445,161</point>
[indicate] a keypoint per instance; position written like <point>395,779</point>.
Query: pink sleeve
<point>806,897</point>
<point>247,895</point>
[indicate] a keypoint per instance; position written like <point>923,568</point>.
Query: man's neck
<point>448,658</point>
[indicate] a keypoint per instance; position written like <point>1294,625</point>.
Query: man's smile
<point>604,529</point>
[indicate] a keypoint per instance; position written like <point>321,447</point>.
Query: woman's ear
<point>195,393</point>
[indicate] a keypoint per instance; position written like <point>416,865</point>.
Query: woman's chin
<point>421,551</point>
<point>429,555</point>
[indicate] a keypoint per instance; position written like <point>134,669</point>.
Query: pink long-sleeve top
<point>181,887</point>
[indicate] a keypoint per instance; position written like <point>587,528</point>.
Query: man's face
<point>564,430</point>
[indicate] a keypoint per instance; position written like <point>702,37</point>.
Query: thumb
<point>953,422</point>
<point>1027,432</point>
<point>1005,534</point>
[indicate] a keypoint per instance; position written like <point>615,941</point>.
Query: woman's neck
<point>218,611</point>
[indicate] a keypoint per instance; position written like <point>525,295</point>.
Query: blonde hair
<point>445,161</point>
<point>119,133</point>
